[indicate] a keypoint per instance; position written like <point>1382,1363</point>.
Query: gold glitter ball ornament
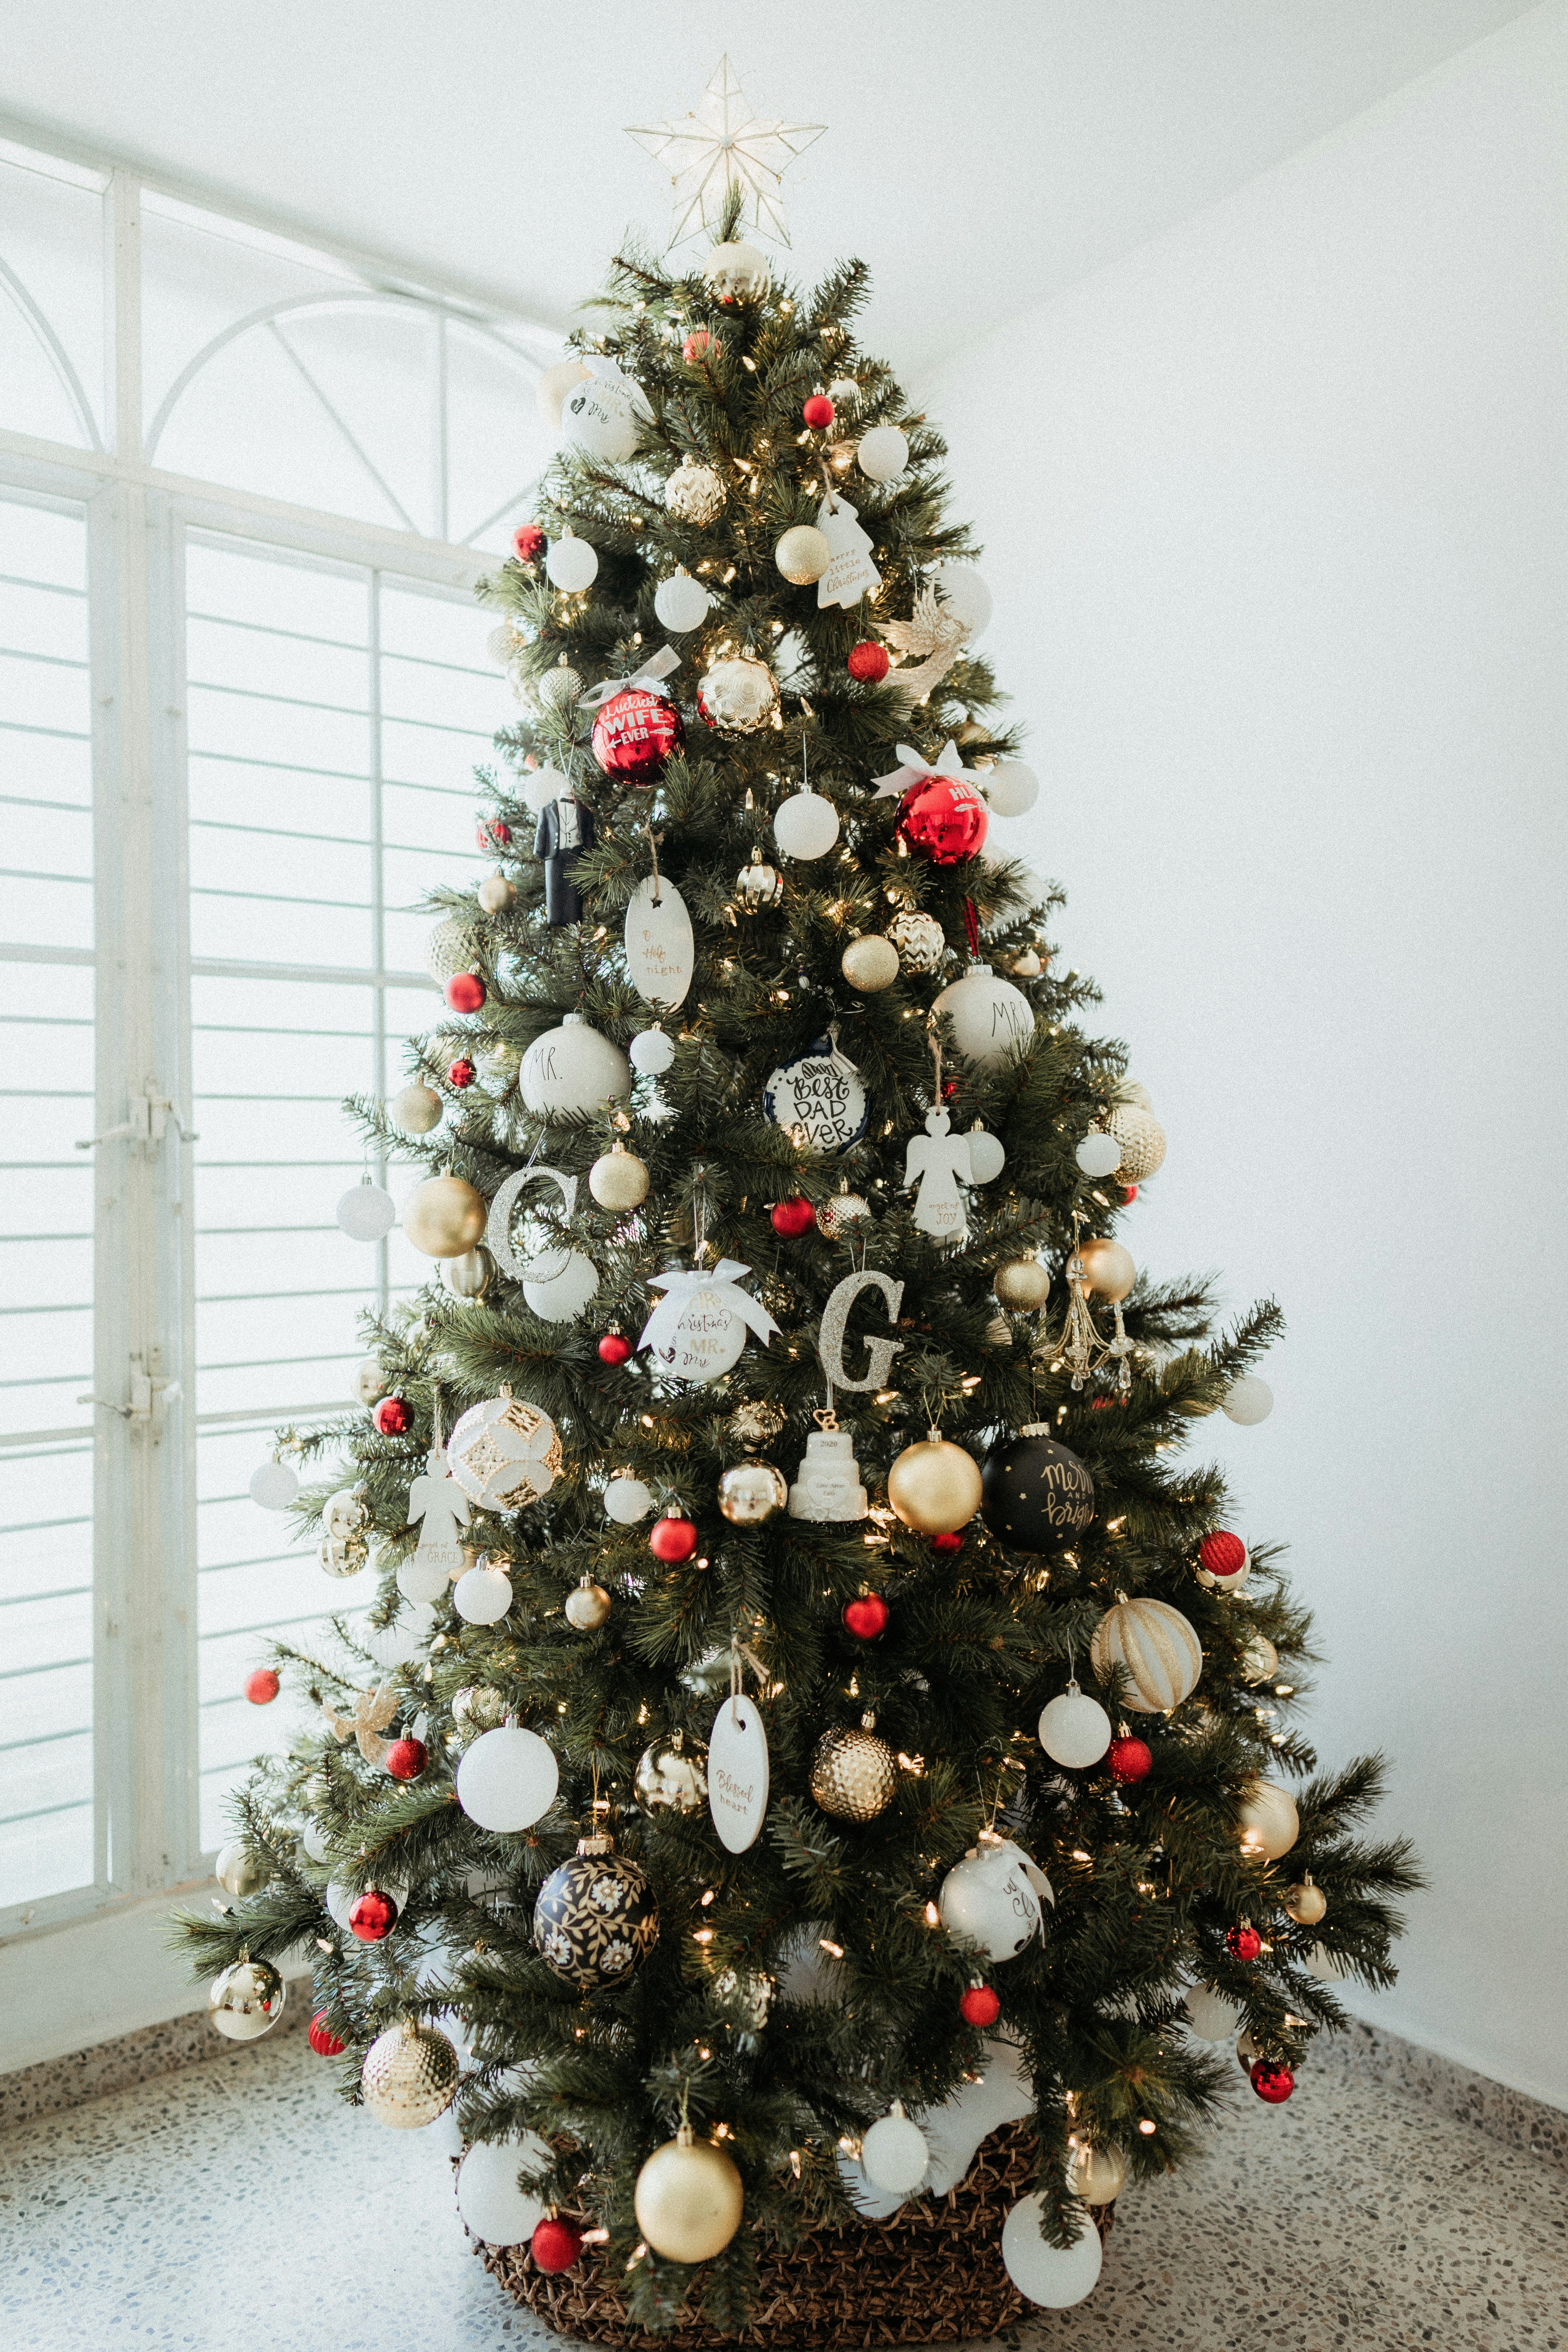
<point>934,1486</point>
<point>415,1109</point>
<point>409,2076</point>
<point>618,1180</point>
<point>247,2000</point>
<point>756,1423</point>
<point>444,1216</point>
<point>587,1606</point>
<point>688,2198</point>
<point>1142,1142</point>
<point>803,554</point>
<point>870,964</point>
<point>694,493</point>
<point>918,939</point>
<point>1022,1283</point>
<point>853,1775</point>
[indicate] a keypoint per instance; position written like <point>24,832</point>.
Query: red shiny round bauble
<point>1243,1942</point>
<point>372,1916</point>
<point>614,1348</point>
<point>1129,1194</point>
<point>818,412</point>
<point>866,1617</point>
<point>262,1688</point>
<point>700,345</point>
<point>945,818</point>
<point>672,1540</point>
<point>465,992</point>
<point>493,833</point>
<point>321,2037</point>
<point>869,662</point>
<point>979,2006</point>
<point>555,2244</point>
<point>406,1759</point>
<point>527,542</point>
<point>635,733</point>
<point>1130,1759</point>
<point>792,1218</point>
<point>461,1072</point>
<point>391,1417</point>
<point>1271,2081</point>
<point>1221,1553</point>
<point>952,1541</point>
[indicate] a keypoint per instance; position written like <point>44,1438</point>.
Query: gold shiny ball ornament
<point>587,1606</point>
<point>738,695</point>
<point>671,1777</point>
<point>751,1493</point>
<point>760,884</point>
<point>853,1775</point>
<point>1026,965</point>
<point>415,1109</point>
<point>843,1216</point>
<point>757,1422</point>
<point>918,939</point>
<point>1097,2174</point>
<point>409,2076</point>
<point>1142,1142</point>
<point>444,1216</point>
<point>934,1486</point>
<point>870,964</point>
<point>496,894</point>
<point>1155,1647</point>
<point>247,2000</point>
<point>694,493</point>
<point>1268,1823</point>
<point>618,1180</point>
<point>688,2198</point>
<point>470,1275</point>
<point>1305,1902</point>
<point>1259,1661</point>
<point>237,1870</point>
<point>1022,1285</point>
<point>1108,1269</point>
<point>803,554</point>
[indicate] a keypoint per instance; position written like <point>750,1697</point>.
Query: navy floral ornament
<point>597,1917</point>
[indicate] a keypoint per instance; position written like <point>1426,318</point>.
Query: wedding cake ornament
<point>827,1487</point>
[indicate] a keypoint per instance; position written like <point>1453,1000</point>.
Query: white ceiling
<point>981,153</point>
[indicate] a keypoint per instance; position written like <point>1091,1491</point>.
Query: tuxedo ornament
<point>564,830</point>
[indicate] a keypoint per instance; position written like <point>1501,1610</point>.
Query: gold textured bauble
<point>757,1422</point>
<point>671,1777</point>
<point>453,947</point>
<point>409,2076</point>
<point>870,963</point>
<point>247,2000</point>
<point>444,1216</point>
<point>587,1606</point>
<point>618,1180</point>
<point>237,1870</point>
<point>1142,1142</point>
<point>560,688</point>
<point>1268,1823</point>
<point>694,493</point>
<point>1022,1283</point>
<point>918,938</point>
<point>751,1493</point>
<point>688,2198</point>
<point>738,695</point>
<point>803,554</point>
<point>840,1218</point>
<point>1097,2174</point>
<point>495,893</point>
<point>934,1486</point>
<point>1306,1904</point>
<point>853,1775</point>
<point>470,1275</point>
<point>1107,1268</point>
<point>416,1109</point>
<point>1259,1661</point>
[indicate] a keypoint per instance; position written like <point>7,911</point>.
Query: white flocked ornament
<point>806,824</point>
<point>1098,1155</point>
<point>991,1018</point>
<point>1010,788</point>
<point>627,1500</point>
<point>482,1594</point>
<point>966,594</point>
<point>893,2155</point>
<point>987,1157</point>
<point>573,565</point>
<point>1075,1729</point>
<point>1045,2273</point>
<point>492,2207</point>
<point>652,1052</point>
<point>680,602</point>
<point>986,1900</point>
<point>572,1070</point>
<point>1247,1401</point>
<point>366,1212</point>
<point>507,1779</point>
<point>883,454</point>
<point>1210,2015</point>
<point>274,1484</point>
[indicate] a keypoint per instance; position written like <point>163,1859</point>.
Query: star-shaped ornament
<point>720,147</point>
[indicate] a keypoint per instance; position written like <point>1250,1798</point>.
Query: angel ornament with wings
<point>937,1164</point>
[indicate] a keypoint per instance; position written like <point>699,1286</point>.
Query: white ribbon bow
<point>679,1288</point>
<point>653,673</point>
<point>912,768</point>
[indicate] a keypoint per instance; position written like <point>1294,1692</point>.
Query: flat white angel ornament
<point>439,1505</point>
<point>938,1164</point>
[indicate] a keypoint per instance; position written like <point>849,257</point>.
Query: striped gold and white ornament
<point>1156,1648</point>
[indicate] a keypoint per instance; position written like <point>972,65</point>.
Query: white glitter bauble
<point>274,1484</point>
<point>1010,788</point>
<point>573,565</point>
<point>1247,1401</point>
<point>1210,2015</point>
<point>806,826</point>
<point>680,602</point>
<point>893,2155</point>
<point>365,1213</point>
<point>627,1500</point>
<point>883,454</point>
<point>1074,1730</point>
<point>652,1052</point>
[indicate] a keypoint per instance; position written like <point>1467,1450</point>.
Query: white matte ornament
<point>415,1109</point>
<point>1010,788</point>
<point>738,1773</point>
<point>365,1213</point>
<point>572,1070</point>
<point>493,2208</point>
<point>660,952</point>
<point>652,1052</point>
<point>806,824</point>
<point>543,786</point>
<point>1098,1155</point>
<point>1074,1730</point>
<point>274,1484</point>
<point>573,565</point>
<point>482,1595</point>
<point>987,1157</point>
<point>883,454</point>
<point>559,1284</point>
<point>1210,2015</point>
<point>965,596</point>
<point>987,1900</point>
<point>680,602</point>
<point>1247,1401</point>
<point>507,1779</point>
<point>627,1500</point>
<point>1045,2273</point>
<point>600,413</point>
<point>991,1018</point>
<point>893,2155</point>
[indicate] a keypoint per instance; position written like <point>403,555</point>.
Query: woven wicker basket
<point>931,2274</point>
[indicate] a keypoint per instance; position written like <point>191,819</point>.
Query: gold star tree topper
<point>722,146</point>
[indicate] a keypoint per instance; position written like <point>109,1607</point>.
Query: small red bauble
<point>945,818</point>
<point>1271,2081</point>
<point>948,1542</point>
<point>635,733</point>
<point>792,1218</point>
<point>406,1759</point>
<point>700,345</point>
<point>869,662</point>
<point>461,1072</point>
<point>555,2244</point>
<point>493,833</point>
<point>979,2006</point>
<point>465,992</point>
<point>372,1916</point>
<point>1130,1759</point>
<point>1222,1554</point>
<point>391,1417</point>
<point>672,1540</point>
<point>818,412</point>
<point>527,542</point>
<point>614,1349</point>
<point>866,1617</point>
<point>262,1688</point>
<point>321,2037</point>
<point>1129,1194</point>
<point>1243,1942</point>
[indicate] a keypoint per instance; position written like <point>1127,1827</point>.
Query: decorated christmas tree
<point>835,1716</point>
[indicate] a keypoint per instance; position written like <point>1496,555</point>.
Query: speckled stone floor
<point>239,2205</point>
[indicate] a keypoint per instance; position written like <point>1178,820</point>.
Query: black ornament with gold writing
<point>1035,1493</point>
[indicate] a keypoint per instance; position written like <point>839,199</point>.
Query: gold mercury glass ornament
<point>409,2076</point>
<point>1097,2174</point>
<point>870,963</point>
<point>587,1606</point>
<point>751,1493</point>
<point>470,1275</point>
<point>757,1422</point>
<point>671,1777</point>
<point>853,1775</point>
<point>1306,1904</point>
<point>247,2000</point>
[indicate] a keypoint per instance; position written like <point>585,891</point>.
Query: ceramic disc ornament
<point>739,1772</point>
<point>987,1900</point>
<point>635,732</point>
<point>1045,2273</point>
<point>660,951</point>
<point>919,938</point>
<point>409,2076</point>
<point>571,1069</point>
<point>1157,1649</point>
<point>806,826</point>
<point>247,2000</point>
<point>1037,1494</point>
<point>934,1486</point>
<point>817,1099</point>
<point>1074,1729</point>
<point>738,695</point>
<point>507,1779</point>
<point>688,2198</point>
<point>494,2210</point>
<point>991,1018</point>
<point>596,1917</point>
<point>505,1453</point>
<point>680,602</point>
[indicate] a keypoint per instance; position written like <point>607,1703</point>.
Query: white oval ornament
<point>659,949</point>
<point>819,1098</point>
<point>738,1773</point>
<point>1046,2274</point>
<point>708,1341</point>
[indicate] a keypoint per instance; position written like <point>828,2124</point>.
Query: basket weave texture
<point>932,2273</point>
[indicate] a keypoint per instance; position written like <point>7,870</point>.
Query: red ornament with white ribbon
<point>636,728</point>
<point>941,812</point>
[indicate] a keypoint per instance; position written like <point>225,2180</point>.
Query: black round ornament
<point>596,1917</point>
<point>1035,1493</point>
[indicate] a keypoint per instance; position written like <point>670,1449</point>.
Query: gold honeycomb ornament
<point>409,2076</point>
<point>853,1775</point>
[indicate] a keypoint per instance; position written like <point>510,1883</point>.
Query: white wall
<point>1277,516</point>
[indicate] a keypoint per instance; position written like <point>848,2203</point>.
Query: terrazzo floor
<point>239,2204</point>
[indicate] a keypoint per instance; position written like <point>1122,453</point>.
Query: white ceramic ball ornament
<point>883,454</point>
<point>1210,2016</point>
<point>507,1779</point>
<point>554,386</point>
<point>493,2208</point>
<point>1247,1401</point>
<point>600,415</point>
<point>680,602</point>
<point>1046,2274</point>
<point>652,1052</point>
<point>482,1595</point>
<point>573,565</point>
<point>1075,1729</point>
<point>1011,789</point>
<point>572,1070</point>
<point>366,1212</point>
<point>991,1018</point>
<point>627,1500</point>
<point>893,2155</point>
<point>988,1899</point>
<point>1098,1155</point>
<point>806,825</point>
<point>274,1484</point>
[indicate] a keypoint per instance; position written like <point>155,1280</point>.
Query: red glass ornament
<point>866,1617</point>
<point>528,542</point>
<point>263,1686</point>
<point>461,1072</point>
<point>493,833</point>
<point>979,2005</point>
<point>1222,1554</point>
<point>614,1348</point>
<point>700,345</point>
<point>868,661</point>
<point>818,412</point>
<point>672,1540</point>
<point>1130,1759</point>
<point>555,2244</point>
<point>406,1759</point>
<point>792,1218</point>
<point>391,1417</point>
<point>1271,2081</point>
<point>948,1542</point>
<point>945,818</point>
<point>635,733</point>
<point>465,992</point>
<point>1244,1943</point>
<point>321,2037</point>
<point>373,1915</point>
<point>1129,1194</point>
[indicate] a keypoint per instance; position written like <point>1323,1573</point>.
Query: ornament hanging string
<point>653,841</point>
<point>971,926</point>
<point>740,1658</point>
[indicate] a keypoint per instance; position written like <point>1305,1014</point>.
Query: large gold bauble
<point>247,2000</point>
<point>1107,1268</point>
<point>853,1775</point>
<point>751,1493</point>
<point>444,1216</point>
<point>1306,1904</point>
<point>934,1486</point>
<point>671,1778</point>
<point>870,963</point>
<point>1097,2174</point>
<point>688,2198</point>
<point>1268,1823</point>
<point>409,2076</point>
<point>1142,1142</point>
<point>415,1109</point>
<point>803,554</point>
<point>587,1606</point>
<point>620,1181</point>
<point>694,493</point>
<point>1022,1283</point>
